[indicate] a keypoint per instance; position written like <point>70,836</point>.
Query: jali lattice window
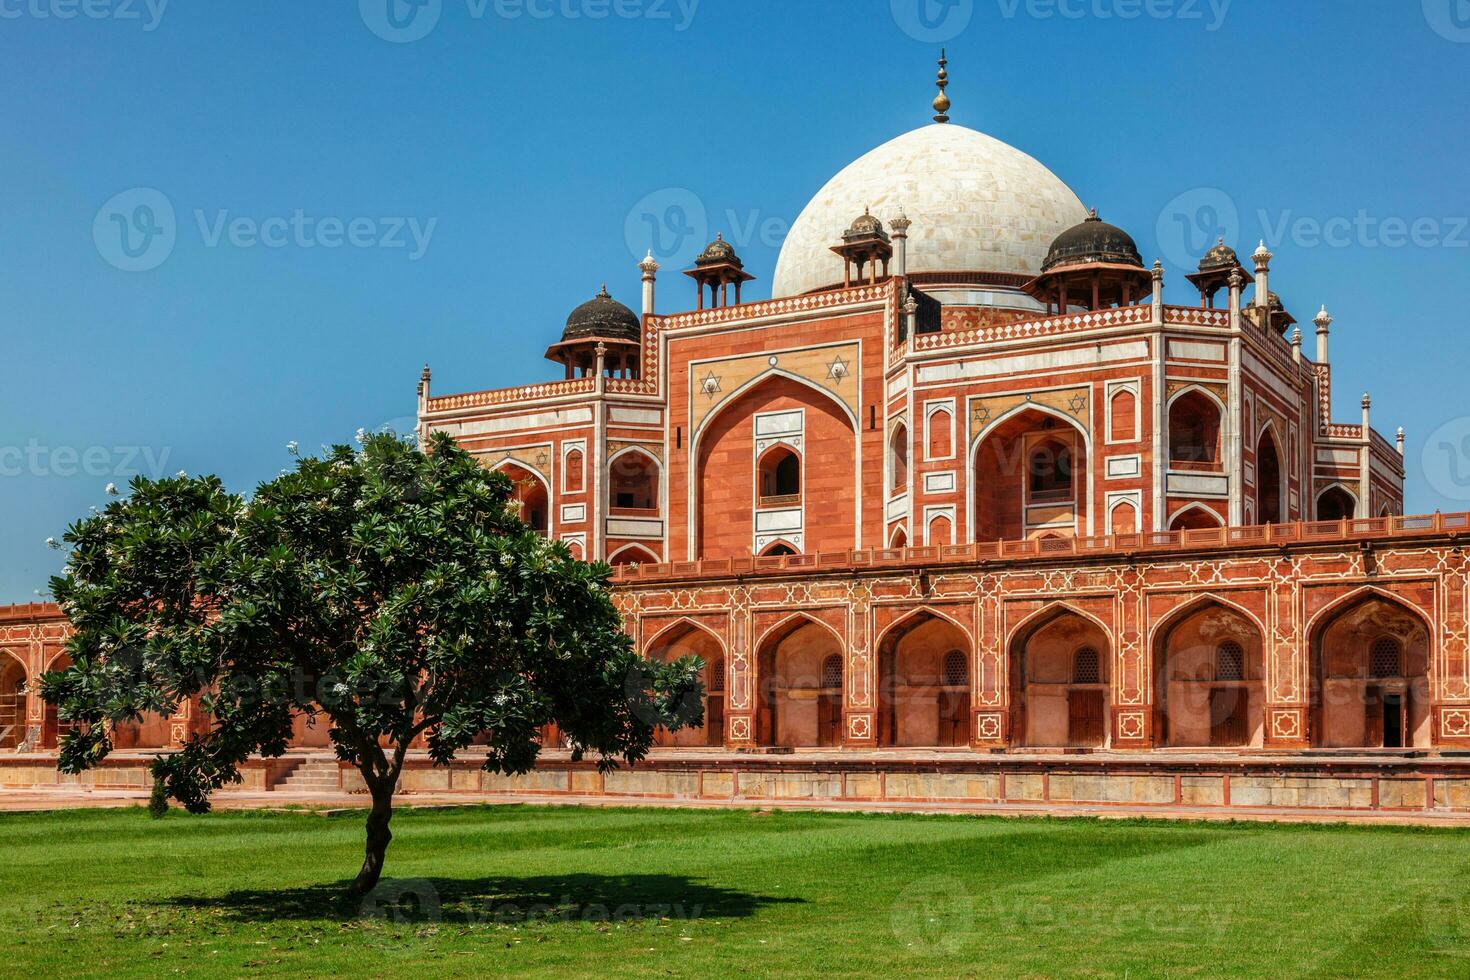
<point>1385,658</point>
<point>1229,662</point>
<point>956,673</point>
<point>1086,667</point>
<point>832,671</point>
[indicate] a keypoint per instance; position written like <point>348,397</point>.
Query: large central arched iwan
<point>1030,478</point>
<point>738,474</point>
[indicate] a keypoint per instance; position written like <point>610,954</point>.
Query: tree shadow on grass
<point>498,900</point>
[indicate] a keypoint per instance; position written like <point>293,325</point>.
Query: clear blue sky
<point>520,136</point>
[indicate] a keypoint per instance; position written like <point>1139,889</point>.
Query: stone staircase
<point>311,776</point>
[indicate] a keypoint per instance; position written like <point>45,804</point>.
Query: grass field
<point>578,892</point>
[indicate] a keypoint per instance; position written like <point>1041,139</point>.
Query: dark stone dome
<point>1090,242</point>
<point>1222,256</point>
<point>865,226</point>
<point>719,251</point>
<point>603,317</point>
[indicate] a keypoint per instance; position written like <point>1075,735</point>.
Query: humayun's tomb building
<point>967,512</point>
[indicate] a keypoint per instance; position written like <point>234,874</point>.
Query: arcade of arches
<point>1199,677</point>
<point>1087,655</point>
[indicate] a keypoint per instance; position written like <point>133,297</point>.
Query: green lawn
<point>578,892</point>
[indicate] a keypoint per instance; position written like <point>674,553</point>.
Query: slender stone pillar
<point>742,685</point>
<point>991,706</point>
<point>1286,656</point>
<point>1132,695</point>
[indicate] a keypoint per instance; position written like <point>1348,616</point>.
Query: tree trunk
<point>378,836</point>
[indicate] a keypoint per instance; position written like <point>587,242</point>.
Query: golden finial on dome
<point>941,101</point>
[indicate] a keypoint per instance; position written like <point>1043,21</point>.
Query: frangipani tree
<point>388,592</point>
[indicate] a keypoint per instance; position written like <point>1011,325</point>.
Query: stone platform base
<point>1295,784</point>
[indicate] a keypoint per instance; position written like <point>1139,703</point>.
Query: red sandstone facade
<point>1117,527</point>
<point>976,497</point>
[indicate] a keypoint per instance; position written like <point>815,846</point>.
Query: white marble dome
<point>976,204</point>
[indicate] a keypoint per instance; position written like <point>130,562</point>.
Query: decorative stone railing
<point>1114,545</point>
<point>780,500</point>
<point>776,307</point>
<point>1028,329</point>
<point>29,611</point>
<point>1053,326</point>
<point>1194,316</point>
<point>630,386</point>
<point>503,396</point>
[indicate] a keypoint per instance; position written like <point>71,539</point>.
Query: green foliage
<point>158,800</point>
<point>388,591</point>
